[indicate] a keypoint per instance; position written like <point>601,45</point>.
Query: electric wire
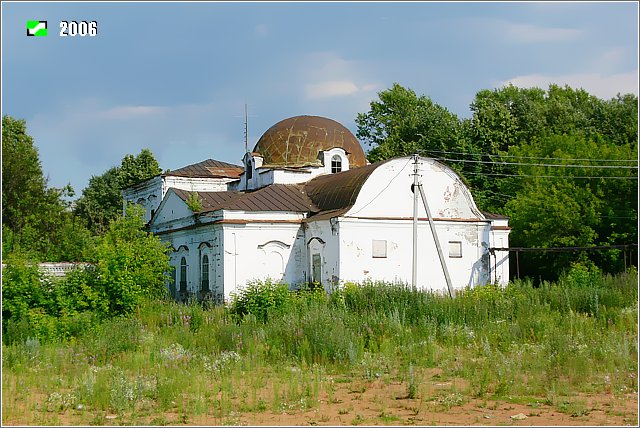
<point>385,187</point>
<point>539,164</point>
<point>614,177</point>
<point>528,157</point>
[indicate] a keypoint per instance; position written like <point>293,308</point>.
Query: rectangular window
<point>379,249</point>
<point>455,249</point>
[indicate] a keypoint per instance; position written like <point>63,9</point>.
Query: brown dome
<point>296,142</point>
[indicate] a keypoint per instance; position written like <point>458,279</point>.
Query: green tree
<point>402,123</point>
<point>36,220</point>
<point>500,152</point>
<point>21,288</point>
<point>509,117</point>
<point>555,207</point>
<point>134,169</point>
<point>101,201</point>
<point>128,266</point>
<point>194,202</point>
<point>23,183</point>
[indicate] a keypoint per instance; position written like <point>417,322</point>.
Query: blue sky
<point>174,77</point>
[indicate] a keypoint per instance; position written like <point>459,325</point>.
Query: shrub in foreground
<point>129,266</point>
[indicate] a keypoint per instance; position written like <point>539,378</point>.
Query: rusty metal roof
<point>338,191</point>
<point>209,168</point>
<point>296,142</point>
<point>210,200</point>
<point>275,197</point>
<point>323,197</point>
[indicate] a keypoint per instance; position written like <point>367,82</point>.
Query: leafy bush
<point>22,288</point>
<point>260,299</point>
<point>78,292</point>
<point>581,275</point>
<point>131,264</point>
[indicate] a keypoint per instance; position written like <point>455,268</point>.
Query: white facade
<point>371,239</point>
<point>306,207</point>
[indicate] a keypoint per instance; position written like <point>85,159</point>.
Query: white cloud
<point>330,89</point>
<point>327,75</point>
<point>602,86</point>
<point>519,32</point>
<point>528,33</point>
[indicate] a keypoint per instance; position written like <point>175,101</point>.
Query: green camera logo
<point>37,28</point>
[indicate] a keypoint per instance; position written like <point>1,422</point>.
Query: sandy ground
<point>382,403</point>
<point>387,404</point>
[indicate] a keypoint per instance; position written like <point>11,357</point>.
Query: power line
<point>385,188</point>
<point>530,157</point>
<point>562,249</point>
<point>503,195</point>
<point>538,164</point>
<point>618,177</point>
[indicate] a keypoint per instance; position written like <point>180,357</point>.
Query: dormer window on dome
<point>336,164</point>
<point>335,160</point>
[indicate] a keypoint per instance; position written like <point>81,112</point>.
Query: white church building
<point>307,207</point>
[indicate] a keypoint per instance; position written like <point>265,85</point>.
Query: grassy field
<point>374,354</point>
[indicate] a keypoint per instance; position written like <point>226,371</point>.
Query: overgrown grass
<point>577,335</point>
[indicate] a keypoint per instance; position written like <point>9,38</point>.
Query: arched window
<point>183,275</point>
<point>204,269</point>
<point>336,164</point>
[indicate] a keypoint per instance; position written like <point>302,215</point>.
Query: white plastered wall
<point>256,251</point>
<point>469,267</point>
<point>383,211</point>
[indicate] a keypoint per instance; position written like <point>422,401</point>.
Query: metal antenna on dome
<point>246,129</point>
